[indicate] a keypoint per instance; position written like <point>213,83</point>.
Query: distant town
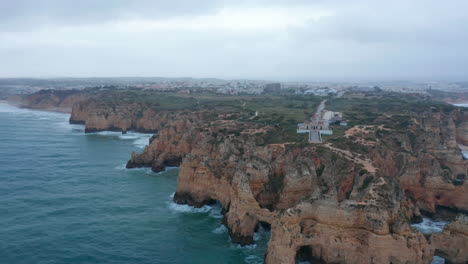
<point>10,86</point>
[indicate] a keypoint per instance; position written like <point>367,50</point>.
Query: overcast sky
<point>277,39</point>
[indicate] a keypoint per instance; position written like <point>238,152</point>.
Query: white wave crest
<point>145,170</point>
<point>79,129</point>
<point>251,246</point>
<point>106,133</point>
<point>127,136</point>
<point>252,259</point>
<point>438,260</point>
<point>461,105</point>
<point>140,140</point>
<point>121,167</point>
<point>429,226</point>
<point>216,211</point>
<point>184,208</point>
<point>257,236</point>
<point>6,108</point>
<point>222,229</point>
<point>41,115</point>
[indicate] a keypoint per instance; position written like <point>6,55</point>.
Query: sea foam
<point>140,140</point>
<point>184,208</point>
<point>461,105</point>
<point>438,260</point>
<point>429,226</point>
<point>252,259</point>
<point>222,229</point>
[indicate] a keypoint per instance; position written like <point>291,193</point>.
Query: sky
<point>287,40</point>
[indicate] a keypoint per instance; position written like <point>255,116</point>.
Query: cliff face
<point>348,201</point>
<point>317,199</point>
<point>462,128</point>
<point>452,243</point>
<point>50,100</point>
<point>435,174</point>
<point>100,116</point>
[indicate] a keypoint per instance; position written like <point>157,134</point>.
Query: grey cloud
<point>361,39</point>
<point>29,14</point>
<point>432,22</point>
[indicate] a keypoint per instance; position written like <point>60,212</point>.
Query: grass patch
<point>367,181</point>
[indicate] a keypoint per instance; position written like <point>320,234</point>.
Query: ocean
<point>66,197</point>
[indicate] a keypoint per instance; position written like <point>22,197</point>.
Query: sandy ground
<point>367,164</point>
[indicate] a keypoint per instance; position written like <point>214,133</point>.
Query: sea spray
<point>438,260</point>
<point>252,259</point>
<point>140,140</point>
<point>429,226</point>
<point>115,210</point>
<point>222,229</point>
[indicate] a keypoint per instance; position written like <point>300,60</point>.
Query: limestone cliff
<point>462,129</point>
<point>99,116</point>
<point>349,200</point>
<point>50,100</point>
<point>320,201</point>
<point>452,243</point>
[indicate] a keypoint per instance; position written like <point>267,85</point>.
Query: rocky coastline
<point>321,202</point>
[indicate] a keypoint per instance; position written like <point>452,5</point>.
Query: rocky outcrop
<point>320,203</point>
<point>462,128</point>
<point>452,243</point>
<point>50,100</point>
<point>434,174</point>
<point>97,115</point>
<point>347,201</point>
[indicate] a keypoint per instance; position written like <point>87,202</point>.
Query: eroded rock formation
<point>313,196</point>
<point>50,100</point>
<point>348,201</point>
<point>452,243</point>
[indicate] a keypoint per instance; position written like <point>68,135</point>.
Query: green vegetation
<point>319,170</point>
<point>282,112</point>
<point>367,181</point>
<point>393,110</point>
<point>362,172</point>
<point>445,167</point>
<point>338,132</point>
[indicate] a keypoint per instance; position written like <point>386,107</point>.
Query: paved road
<point>314,136</point>
<point>319,110</point>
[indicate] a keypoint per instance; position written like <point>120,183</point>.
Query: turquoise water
<point>65,197</point>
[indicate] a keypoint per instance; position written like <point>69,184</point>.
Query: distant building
<point>315,129</point>
<point>336,117</point>
<point>272,88</point>
<point>343,123</point>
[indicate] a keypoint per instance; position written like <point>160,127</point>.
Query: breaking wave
<point>461,105</point>
<point>214,211</point>
<point>37,114</point>
<point>222,229</point>
<point>429,226</point>
<point>184,208</point>
<point>252,259</point>
<point>438,260</point>
<point>251,246</point>
<point>140,140</point>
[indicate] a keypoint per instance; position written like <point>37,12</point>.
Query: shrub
<point>367,181</point>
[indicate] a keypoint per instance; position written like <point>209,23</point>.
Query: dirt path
<point>367,163</point>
